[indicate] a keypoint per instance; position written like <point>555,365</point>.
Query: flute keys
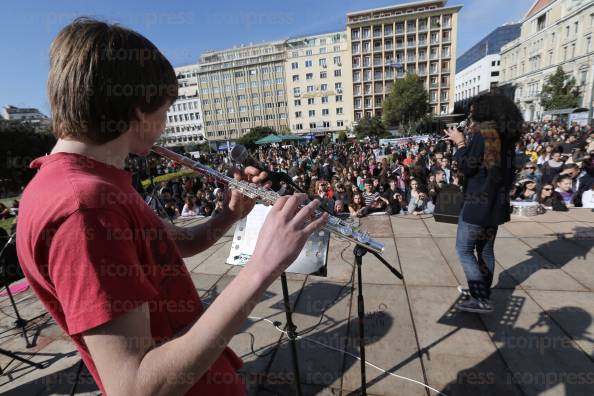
<point>363,237</point>
<point>344,230</point>
<point>333,220</point>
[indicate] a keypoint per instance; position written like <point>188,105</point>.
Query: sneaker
<point>471,304</point>
<point>465,293</point>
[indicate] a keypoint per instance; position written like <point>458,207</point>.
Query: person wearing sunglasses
<point>550,199</point>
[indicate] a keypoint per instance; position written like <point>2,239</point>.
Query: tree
<point>342,137</point>
<point>256,133</point>
<point>559,91</point>
<point>22,142</point>
<point>407,103</point>
<point>371,127</point>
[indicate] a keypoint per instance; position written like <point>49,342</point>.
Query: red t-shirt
<point>93,250</point>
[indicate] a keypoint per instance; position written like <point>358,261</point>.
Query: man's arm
<point>122,349</point>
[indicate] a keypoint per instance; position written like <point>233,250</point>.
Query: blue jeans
<point>474,245</point>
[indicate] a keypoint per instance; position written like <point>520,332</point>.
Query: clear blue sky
<point>184,29</point>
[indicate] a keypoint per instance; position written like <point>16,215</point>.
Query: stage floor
<point>539,340</point>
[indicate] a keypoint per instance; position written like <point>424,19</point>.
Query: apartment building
<point>184,118</point>
<point>386,43</point>
<point>478,69</point>
<point>319,83</point>
<point>241,88</point>
<point>554,33</point>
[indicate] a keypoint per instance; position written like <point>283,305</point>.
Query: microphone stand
<point>360,251</point>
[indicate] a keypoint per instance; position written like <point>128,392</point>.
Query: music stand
<point>311,261</point>
<point>20,322</point>
<point>360,251</point>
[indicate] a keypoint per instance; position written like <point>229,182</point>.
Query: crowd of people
<point>555,169</point>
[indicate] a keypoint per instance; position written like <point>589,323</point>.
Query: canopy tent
<point>269,139</point>
<point>279,138</point>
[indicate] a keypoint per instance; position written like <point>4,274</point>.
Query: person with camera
<point>486,160</point>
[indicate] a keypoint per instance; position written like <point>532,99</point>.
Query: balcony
<point>422,28</point>
<point>356,50</point>
<point>422,58</point>
<point>411,60</point>
<point>388,32</point>
<point>433,57</point>
<point>411,44</point>
<point>378,63</point>
<point>446,40</point>
<point>422,72</point>
<point>434,41</point>
<point>399,31</point>
<point>423,43</point>
<point>445,70</point>
<point>399,46</point>
<point>434,71</point>
<point>445,54</point>
<point>377,49</point>
<point>389,47</point>
<point>355,37</point>
<point>377,33</point>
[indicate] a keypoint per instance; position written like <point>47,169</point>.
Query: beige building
<point>386,43</point>
<point>554,33</point>
<point>241,88</point>
<point>319,83</point>
<point>184,118</point>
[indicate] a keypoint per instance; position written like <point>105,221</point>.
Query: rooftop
<point>539,335</point>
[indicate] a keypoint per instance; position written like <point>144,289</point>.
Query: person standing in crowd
<point>552,167</point>
<point>563,187</point>
<point>486,161</point>
<point>551,199</point>
<point>421,204</point>
<point>588,198</point>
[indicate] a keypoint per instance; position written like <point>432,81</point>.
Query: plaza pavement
<point>539,340</point>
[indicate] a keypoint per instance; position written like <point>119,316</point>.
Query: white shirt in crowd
<point>588,199</point>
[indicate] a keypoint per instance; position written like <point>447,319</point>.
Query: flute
<point>335,224</point>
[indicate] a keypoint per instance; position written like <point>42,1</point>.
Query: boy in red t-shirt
<point>108,270</point>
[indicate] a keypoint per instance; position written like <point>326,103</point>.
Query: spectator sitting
<point>189,208</point>
<point>588,198</point>
<point>341,194</point>
<point>395,199</point>
<point>563,183</point>
<point>340,208</point>
<point>551,199</point>
<point>552,167</point>
<point>421,204</point>
<point>437,185</point>
<point>414,190</point>
<point>206,209</point>
<point>526,191</point>
<point>218,207</point>
<point>357,206</point>
<point>529,172</point>
<point>374,202</point>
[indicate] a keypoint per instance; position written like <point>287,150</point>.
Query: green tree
<point>407,103</point>
<point>371,127</point>
<point>249,139</point>
<point>342,137</point>
<point>559,91</point>
<point>22,143</point>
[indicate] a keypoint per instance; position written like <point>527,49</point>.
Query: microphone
<point>240,155</point>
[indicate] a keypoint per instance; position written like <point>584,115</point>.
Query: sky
<point>184,29</point>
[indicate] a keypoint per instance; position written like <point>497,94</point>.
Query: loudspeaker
<point>448,204</point>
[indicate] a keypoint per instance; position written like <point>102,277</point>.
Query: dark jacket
<point>486,191</point>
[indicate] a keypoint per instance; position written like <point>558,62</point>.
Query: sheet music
<point>311,260</point>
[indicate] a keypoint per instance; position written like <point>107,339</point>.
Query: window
<point>541,22</point>
<point>310,88</point>
<point>337,73</point>
<point>323,74</point>
<point>298,126</point>
<point>308,52</point>
<point>337,60</point>
<point>324,99</point>
<point>323,50</point>
<point>312,125</point>
<point>295,65</point>
<point>312,113</point>
<point>326,124</point>
<point>295,77</point>
<point>322,62</point>
<point>297,102</point>
<point>495,74</point>
<point>296,91</point>
<point>309,76</point>
<point>338,86</point>
<point>339,110</point>
<point>324,87</point>
<point>325,112</point>
<point>339,123</point>
<point>308,63</point>
<point>310,101</point>
<point>338,98</point>
<point>588,43</point>
<point>297,114</point>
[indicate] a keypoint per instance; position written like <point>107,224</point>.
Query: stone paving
<point>539,340</point>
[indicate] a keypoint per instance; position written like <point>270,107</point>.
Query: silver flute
<point>335,224</point>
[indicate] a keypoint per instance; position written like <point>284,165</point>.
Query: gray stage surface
<point>539,340</point>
